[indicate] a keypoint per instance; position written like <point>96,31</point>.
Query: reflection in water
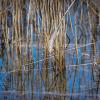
<point>28,71</point>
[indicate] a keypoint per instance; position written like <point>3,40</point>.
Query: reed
<point>48,20</point>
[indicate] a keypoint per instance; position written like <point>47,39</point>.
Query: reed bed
<point>36,37</point>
